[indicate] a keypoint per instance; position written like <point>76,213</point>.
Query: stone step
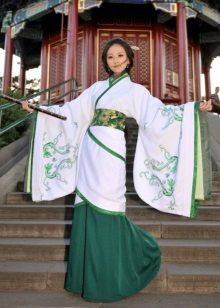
<point>132,198</point>
<point>61,298</point>
<point>35,228</point>
<point>216,186</point>
<point>215,200</point>
<point>216,176</point>
<point>35,276</point>
<point>190,251</point>
<point>35,211</point>
<point>49,276</point>
<point>41,250</point>
<point>134,212</point>
<point>32,249</point>
<point>21,198</point>
<point>159,229</point>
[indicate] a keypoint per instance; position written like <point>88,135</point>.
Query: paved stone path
<point>66,300</point>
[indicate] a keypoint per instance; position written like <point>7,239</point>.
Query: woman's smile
<point>117,59</point>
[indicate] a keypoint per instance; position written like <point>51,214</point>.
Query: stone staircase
<point>34,241</point>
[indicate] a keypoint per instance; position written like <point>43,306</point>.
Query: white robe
<point>68,156</point>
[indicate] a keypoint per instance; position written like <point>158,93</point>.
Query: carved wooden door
<point>142,70</point>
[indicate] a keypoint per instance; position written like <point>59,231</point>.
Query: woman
<point>111,258</point>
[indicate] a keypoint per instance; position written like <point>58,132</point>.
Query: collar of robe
<point>114,79</point>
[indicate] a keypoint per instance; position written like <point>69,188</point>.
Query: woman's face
<point>117,59</point>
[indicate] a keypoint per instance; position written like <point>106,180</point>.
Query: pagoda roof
<point>26,18</point>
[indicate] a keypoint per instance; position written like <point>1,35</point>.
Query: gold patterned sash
<point>109,118</point>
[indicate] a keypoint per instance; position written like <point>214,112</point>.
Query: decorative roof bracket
<point>84,5</point>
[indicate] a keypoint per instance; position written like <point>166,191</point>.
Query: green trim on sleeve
<point>194,203</point>
<point>102,145</point>
<point>29,167</point>
<point>199,193</point>
<point>96,207</point>
<point>206,155</point>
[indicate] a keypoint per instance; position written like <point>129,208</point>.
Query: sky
<point>35,73</point>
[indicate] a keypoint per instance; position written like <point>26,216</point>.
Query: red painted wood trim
<point>44,68</point>
<point>182,41</point>
<point>158,62</point>
<point>197,57</point>
<point>206,72</point>
<point>89,56</point>
<point>9,48</point>
<point>71,50</point>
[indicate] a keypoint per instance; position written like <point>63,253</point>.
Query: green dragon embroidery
<point>57,157</point>
<point>174,113</point>
<point>166,183</point>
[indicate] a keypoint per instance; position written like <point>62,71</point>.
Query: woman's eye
<point>109,57</point>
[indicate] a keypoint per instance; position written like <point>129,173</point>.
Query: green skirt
<point>110,258</point>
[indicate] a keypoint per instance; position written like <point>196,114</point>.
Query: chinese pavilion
<point>177,41</point>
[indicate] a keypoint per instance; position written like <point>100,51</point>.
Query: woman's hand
<point>206,106</point>
<point>25,106</point>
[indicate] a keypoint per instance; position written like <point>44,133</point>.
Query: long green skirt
<point>110,258</point>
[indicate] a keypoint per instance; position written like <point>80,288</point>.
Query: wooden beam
<point>206,72</point>
<point>182,41</point>
<point>210,37</point>
<point>44,69</point>
<point>197,71</point>
<point>9,48</point>
<point>71,48</point>
<point>158,61</point>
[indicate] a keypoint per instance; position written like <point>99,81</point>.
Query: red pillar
<point>44,66</point>
<point>206,72</point>
<point>71,49</point>
<point>22,76</point>
<point>9,48</point>
<point>182,41</point>
<point>88,56</point>
<point>197,73</point>
<point>158,62</point>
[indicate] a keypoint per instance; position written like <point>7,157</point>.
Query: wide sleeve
<point>168,164</point>
<point>55,147</point>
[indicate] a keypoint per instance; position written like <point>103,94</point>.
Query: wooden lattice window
<point>57,63</point>
<point>141,72</point>
<point>79,59</point>
<point>171,68</point>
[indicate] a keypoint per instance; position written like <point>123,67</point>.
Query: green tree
<point>12,114</point>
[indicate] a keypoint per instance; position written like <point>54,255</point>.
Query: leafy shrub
<point>9,116</point>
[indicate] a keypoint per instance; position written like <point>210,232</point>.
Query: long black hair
<point>128,50</point>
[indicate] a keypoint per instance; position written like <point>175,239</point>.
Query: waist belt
<point>109,118</point>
